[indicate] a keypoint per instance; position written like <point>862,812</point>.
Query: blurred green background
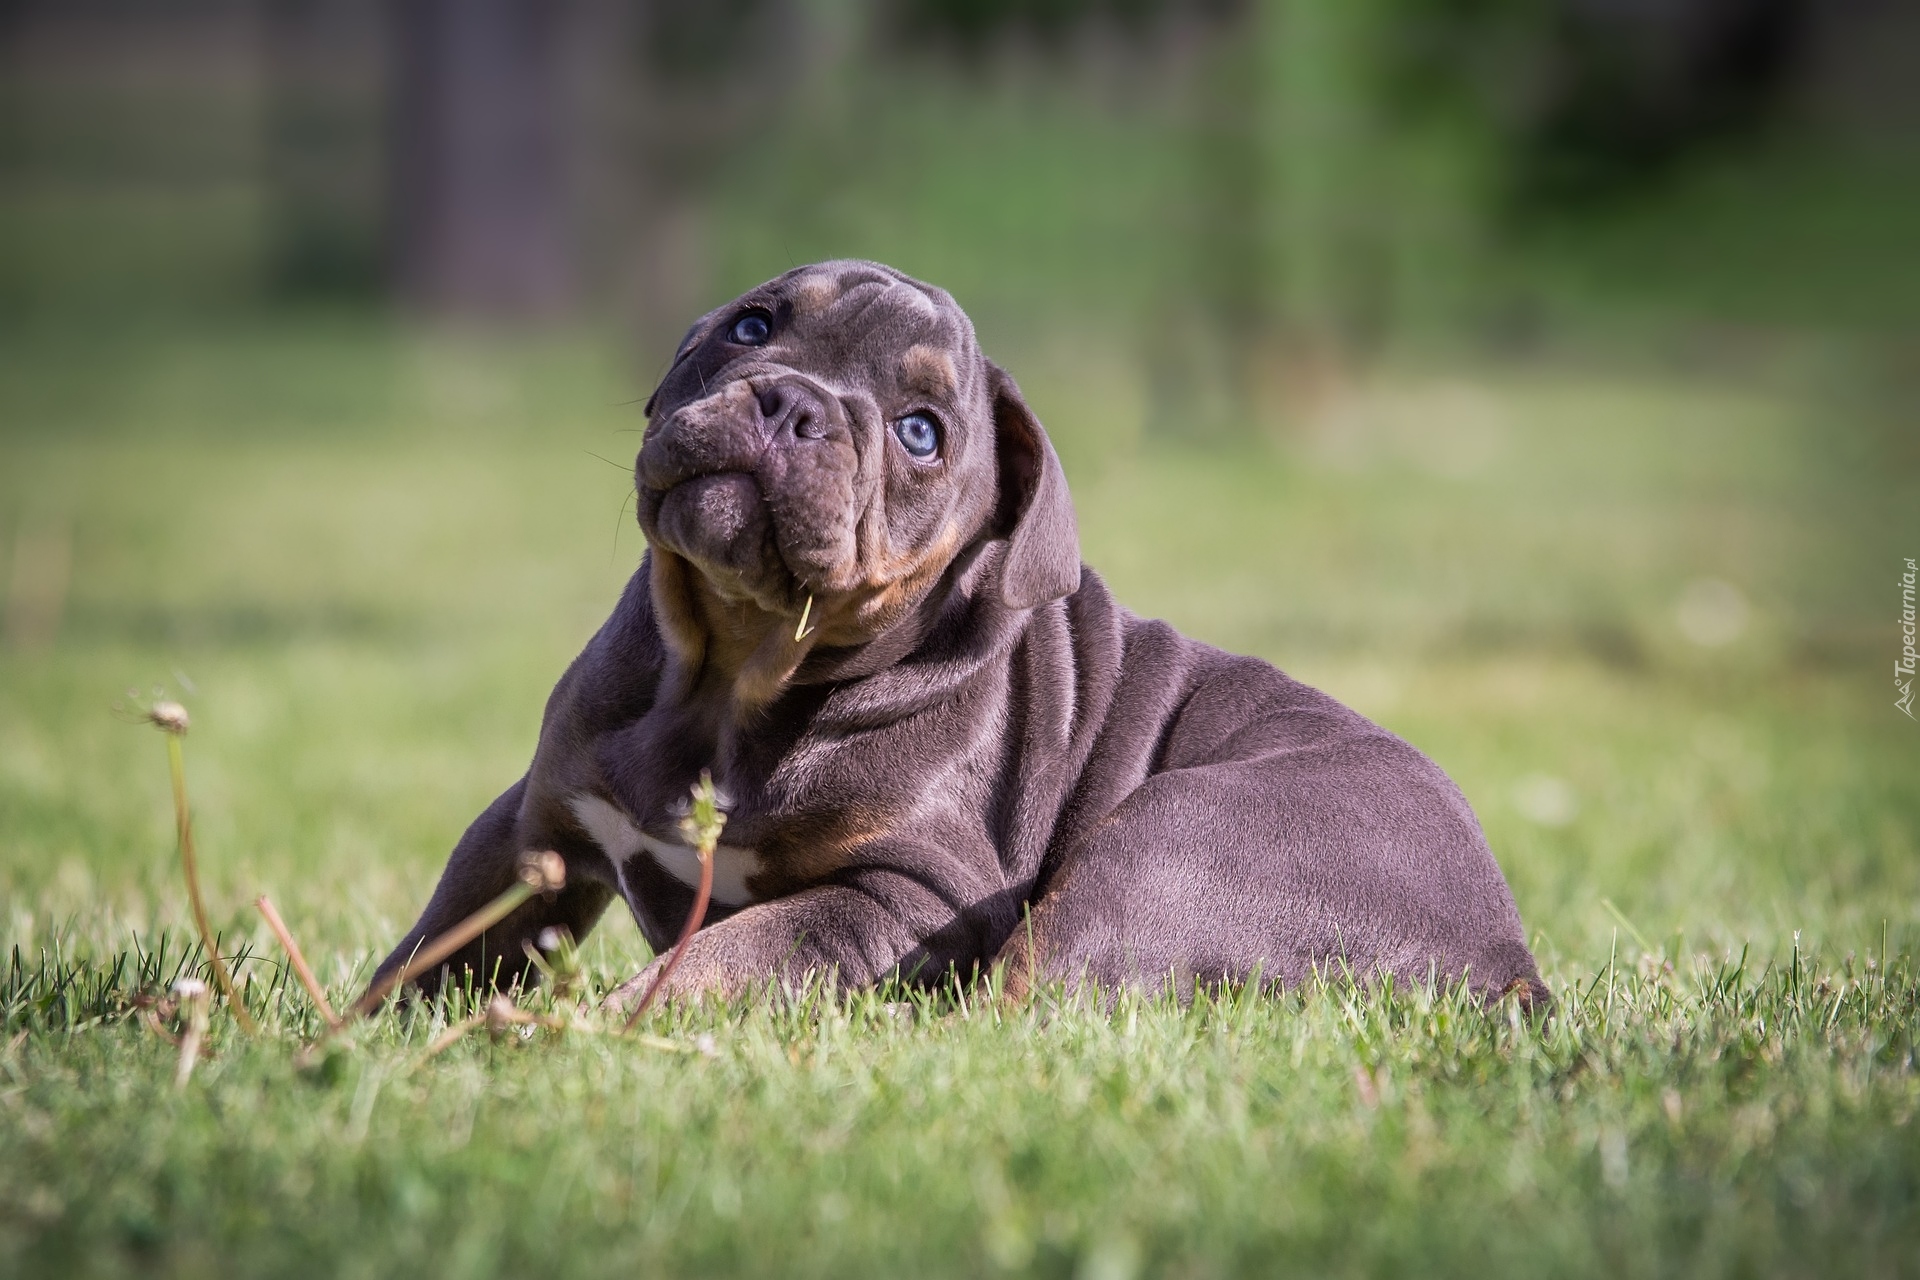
<point>1536,375</point>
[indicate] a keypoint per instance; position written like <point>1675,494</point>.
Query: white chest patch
<point>616,833</point>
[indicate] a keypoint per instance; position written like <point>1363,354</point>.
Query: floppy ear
<point>1035,512</point>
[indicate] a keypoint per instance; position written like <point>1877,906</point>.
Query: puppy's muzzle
<point>754,481</point>
<point>736,428</point>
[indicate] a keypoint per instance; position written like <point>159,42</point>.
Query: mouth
<point>764,510</point>
<point>721,522</point>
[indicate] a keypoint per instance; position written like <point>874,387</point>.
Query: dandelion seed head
<point>545,871</point>
<point>168,716</point>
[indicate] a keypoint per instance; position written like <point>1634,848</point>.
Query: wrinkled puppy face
<point>829,435</point>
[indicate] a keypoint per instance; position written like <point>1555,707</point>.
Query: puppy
<point>968,753</point>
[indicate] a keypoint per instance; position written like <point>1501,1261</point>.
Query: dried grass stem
<point>183,823</point>
<point>542,873</point>
<point>299,961</point>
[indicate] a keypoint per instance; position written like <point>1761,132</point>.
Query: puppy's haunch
<point>939,740</point>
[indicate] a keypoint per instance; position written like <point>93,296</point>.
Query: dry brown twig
<point>539,873</point>
<point>702,827</point>
<point>500,1016</point>
<point>455,1030</point>
<point>151,1014</point>
<point>153,1024</point>
<point>543,872</point>
<point>299,961</point>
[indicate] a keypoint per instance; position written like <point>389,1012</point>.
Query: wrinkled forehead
<point>862,318</point>
<point>856,294</point>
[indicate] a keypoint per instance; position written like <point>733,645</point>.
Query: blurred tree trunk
<point>1311,123</point>
<point>481,216</point>
<point>1340,202</point>
<point>1286,271</point>
<point>1326,201</point>
<point>702,80</point>
<point>324,147</point>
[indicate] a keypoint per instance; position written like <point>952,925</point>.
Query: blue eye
<point>918,434</point>
<point>751,330</point>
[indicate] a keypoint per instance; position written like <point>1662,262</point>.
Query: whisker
<point>619,523</point>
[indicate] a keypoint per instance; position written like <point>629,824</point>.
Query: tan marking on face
<point>815,293</point>
<point>676,610</point>
<point>704,630</point>
<point>879,595</point>
<point>758,649</point>
<point>929,371</point>
<point>769,667</point>
<point>895,582</point>
<point>896,569</point>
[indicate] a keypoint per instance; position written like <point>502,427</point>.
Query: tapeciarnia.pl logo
<point>1903,667</point>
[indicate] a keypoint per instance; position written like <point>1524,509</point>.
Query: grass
<point>371,555</point>
<point>1716,1122</point>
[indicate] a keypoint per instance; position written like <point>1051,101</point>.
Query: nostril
<point>785,410</point>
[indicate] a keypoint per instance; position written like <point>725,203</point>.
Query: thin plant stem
<point>695,917</point>
<point>703,824</point>
<point>539,873</point>
<point>183,821</point>
<point>446,1039</point>
<point>300,969</point>
<point>151,1021</point>
<point>446,944</point>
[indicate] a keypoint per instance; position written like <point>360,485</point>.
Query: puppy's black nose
<point>790,411</point>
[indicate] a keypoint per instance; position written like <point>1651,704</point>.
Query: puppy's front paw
<point>621,1000</point>
<point>691,979</point>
